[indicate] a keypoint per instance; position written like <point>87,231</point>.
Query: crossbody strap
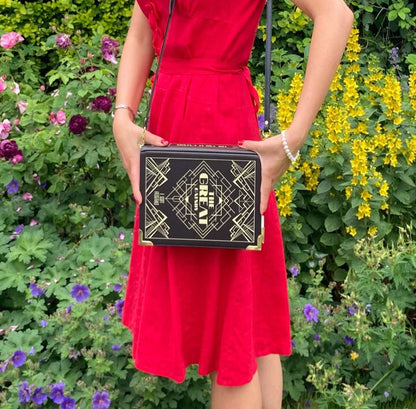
<point>146,118</point>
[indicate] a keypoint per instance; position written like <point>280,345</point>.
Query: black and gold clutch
<point>200,195</point>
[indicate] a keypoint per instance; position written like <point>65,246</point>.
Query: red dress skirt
<point>218,308</point>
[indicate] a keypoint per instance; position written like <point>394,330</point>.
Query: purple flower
<point>57,392</point>
<point>311,313</point>
<point>102,103</point>
<point>3,366</point>
<point>24,392</point>
<point>317,337</point>
<point>13,187</point>
<point>69,308</point>
<point>101,400</point>
<point>119,306</point>
<point>109,48</point>
<point>36,290</point>
<point>112,91</point>
<point>294,270</point>
<point>18,358</point>
<point>18,229</point>
<point>63,41</point>
<point>77,124</point>
<point>116,347</point>
<point>117,287</point>
<point>80,292</point>
<point>106,318</point>
<point>353,309</point>
<point>38,396</point>
<point>32,351</point>
<point>10,151</point>
<point>348,340</point>
<point>260,120</point>
<point>43,323</point>
<point>68,403</point>
<point>386,394</point>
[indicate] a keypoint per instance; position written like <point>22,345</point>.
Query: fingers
<point>250,145</point>
<point>155,140</point>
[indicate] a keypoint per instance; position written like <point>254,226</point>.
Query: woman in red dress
<point>226,310</point>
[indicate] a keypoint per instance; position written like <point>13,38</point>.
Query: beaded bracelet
<point>123,106</point>
<point>287,150</point>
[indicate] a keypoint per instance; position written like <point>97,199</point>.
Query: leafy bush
<point>34,19</point>
<point>356,174</point>
<point>355,343</point>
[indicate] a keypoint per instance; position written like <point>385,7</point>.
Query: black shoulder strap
<point>146,118</point>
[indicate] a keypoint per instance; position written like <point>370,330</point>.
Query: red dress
<point>218,308</point>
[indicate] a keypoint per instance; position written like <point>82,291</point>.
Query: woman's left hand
<point>274,163</point>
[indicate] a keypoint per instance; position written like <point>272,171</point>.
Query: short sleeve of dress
<point>142,5</point>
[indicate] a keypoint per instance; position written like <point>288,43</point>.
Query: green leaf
<point>392,15</point>
<point>332,223</point>
<point>91,158</point>
<point>324,186</point>
<point>31,245</point>
<point>334,204</point>
<point>315,220</point>
<point>330,239</point>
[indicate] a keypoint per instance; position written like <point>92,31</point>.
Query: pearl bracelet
<point>123,106</point>
<point>287,150</point>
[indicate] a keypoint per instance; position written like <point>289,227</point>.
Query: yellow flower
<point>287,102</point>
<point>384,206</point>
<point>354,356</point>
<point>366,195</point>
<point>284,196</point>
<point>384,189</point>
<point>351,230</point>
<point>412,91</point>
<point>353,47</point>
<point>348,191</point>
<point>392,97</point>
<point>364,210</point>
<point>261,98</point>
<point>372,231</point>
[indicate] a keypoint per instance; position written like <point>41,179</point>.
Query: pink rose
<point>52,117</point>
<point>5,128</point>
<point>17,158</point>
<point>27,196</point>
<point>22,106</point>
<point>9,40</point>
<point>60,117</point>
<point>3,85</point>
<point>16,88</point>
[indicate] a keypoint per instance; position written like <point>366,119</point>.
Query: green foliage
<point>35,19</point>
<point>361,351</point>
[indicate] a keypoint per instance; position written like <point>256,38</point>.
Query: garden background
<point>346,206</point>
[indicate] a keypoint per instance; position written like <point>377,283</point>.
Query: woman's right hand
<point>126,135</point>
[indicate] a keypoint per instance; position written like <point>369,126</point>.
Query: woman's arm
<point>133,72</point>
<point>332,25</point>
